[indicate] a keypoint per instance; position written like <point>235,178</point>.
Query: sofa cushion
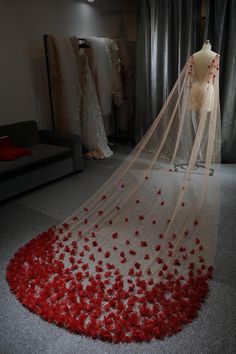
<point>22,134</point>
<point>42,155</point>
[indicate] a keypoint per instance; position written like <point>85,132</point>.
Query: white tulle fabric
<point>146,183</point>
<point>133,262</point>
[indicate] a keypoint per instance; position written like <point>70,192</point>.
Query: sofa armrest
<point>71,141</point>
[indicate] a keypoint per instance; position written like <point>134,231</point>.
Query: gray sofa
<point>52,157</point>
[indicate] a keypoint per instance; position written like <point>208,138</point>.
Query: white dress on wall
<point>92,127</point>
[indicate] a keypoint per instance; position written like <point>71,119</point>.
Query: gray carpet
<point>21,218</point>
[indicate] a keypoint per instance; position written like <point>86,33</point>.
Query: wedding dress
<point>93,133</point>
<point>133,263</point>
<point>102,74</point>
<point>76,106</point>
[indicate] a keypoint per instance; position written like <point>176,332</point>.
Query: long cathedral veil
<point>133,262</point>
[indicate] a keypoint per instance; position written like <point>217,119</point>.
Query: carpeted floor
<point>21,218</point>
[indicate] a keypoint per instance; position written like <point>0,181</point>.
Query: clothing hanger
<point>83,43</point>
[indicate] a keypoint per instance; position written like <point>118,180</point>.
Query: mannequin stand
<point>197,166</point>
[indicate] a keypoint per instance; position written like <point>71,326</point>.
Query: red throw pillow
<point>9,153</point>
<point>5,141</point>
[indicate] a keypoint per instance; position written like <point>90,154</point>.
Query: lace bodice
<point>203,91</point>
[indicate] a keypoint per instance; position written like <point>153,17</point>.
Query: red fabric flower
<point>182,249</point>
<point>74,244</point>
<point>158,247</point>
<point>99,304</point>
<point>115,235</point>
<point>159,260</point>
<point>131,271</point>
<point>98,269</point>
<point>67,249</point>
<point>177,262</point>
<point>107,254</point>
<point>92,258</point>
<point>85,266</point>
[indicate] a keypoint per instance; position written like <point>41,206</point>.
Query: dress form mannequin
<point>202,59</point>
<point>202,90</point>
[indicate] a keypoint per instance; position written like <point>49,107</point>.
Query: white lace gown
<point>92,127</point>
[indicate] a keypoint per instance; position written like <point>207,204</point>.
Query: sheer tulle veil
<point>133,263</point>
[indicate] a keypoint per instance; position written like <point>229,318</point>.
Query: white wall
<point>23,79</point>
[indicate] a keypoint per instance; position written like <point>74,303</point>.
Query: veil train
<point>133,263</point>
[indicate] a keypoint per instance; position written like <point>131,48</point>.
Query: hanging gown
<point>101,67</point>
<point>133,263</point>
<point>93,132</point>
<point>75,101</point>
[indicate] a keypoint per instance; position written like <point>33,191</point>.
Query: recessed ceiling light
<point>91,0</point>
